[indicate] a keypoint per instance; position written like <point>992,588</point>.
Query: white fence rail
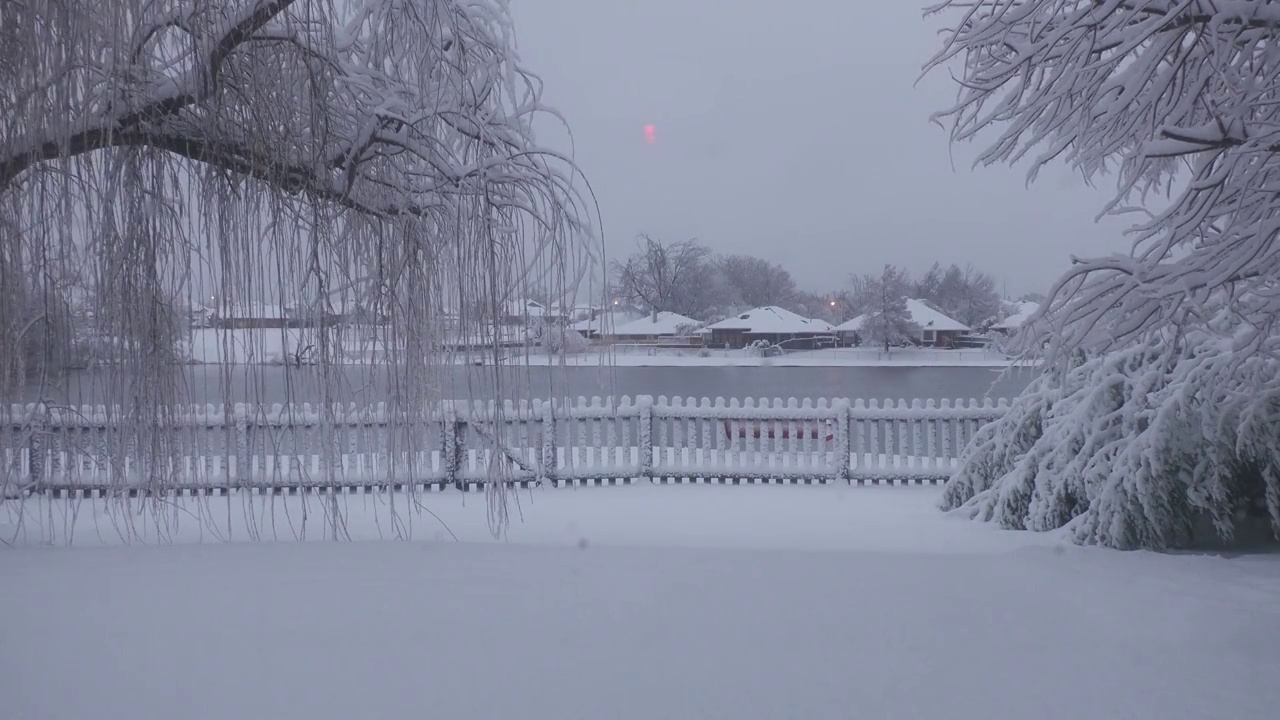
<point>301,448</point>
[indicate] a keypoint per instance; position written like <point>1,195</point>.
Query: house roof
<point>1025,310</point>
<point>605,323</point>
<point>572,309</point>
<point>666,323</point>
<point>525,308</point>
<point>253,311</point>
<point>921,314</point>
<point>772,320</point>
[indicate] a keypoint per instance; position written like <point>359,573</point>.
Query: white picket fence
<point>301,448</point>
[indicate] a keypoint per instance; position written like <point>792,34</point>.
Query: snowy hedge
<point>559,340</point>
<point>1165,444</point>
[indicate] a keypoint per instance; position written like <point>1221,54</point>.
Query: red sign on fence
<point>780,429</point>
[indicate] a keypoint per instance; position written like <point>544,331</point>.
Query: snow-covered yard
<point>642,602</point>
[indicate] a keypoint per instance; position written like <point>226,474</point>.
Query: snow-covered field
<point>640,602</point>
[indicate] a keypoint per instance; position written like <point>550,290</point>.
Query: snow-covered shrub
<point>1170,423</point>
<point>1149,446</point>
<point>757,348</point>
<point>558,340</point>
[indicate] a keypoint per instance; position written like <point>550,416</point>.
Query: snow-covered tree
<point>883,300</point>
<point>1158,444</point>
<point>377,147</point>
<point>753,282</point>
<point>965,294</point>
<point>1157,411</point>
<point>820,306</point>
<point>679,277</point>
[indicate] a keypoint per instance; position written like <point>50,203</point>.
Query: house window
<point>929,336</point>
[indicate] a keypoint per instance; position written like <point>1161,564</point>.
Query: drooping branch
<point>1157,406</point>
<point>306,154</point>
<point>165,101</point>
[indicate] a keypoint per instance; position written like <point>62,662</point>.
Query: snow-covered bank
<point>845,357</point>
<point>674,602</point>
<point>355,347</point>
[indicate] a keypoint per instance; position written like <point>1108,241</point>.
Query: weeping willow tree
<point>1156,422</point>
<point>162,154</point>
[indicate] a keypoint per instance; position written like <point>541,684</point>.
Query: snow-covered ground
<point>836,357</point>
<point>356,348</point>
<point>637,602</point>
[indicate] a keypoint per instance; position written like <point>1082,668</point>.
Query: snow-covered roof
<point>605,323</point>
<point>1025,310</point>
<point>525,308</point>
<point>929,319</point>
<point>572,310</point>
<point>254,311</point>
<point>921,314</point>
<point>772,320</point>
<point>666,323</point>
<point>853,325</point>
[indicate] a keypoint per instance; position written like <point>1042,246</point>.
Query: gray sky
<point>793,132</point>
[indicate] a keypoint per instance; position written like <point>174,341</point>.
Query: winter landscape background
<point>582,359</point>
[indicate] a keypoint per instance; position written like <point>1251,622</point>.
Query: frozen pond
<point>362,385</point>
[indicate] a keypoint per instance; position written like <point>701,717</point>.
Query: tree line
<point>688,278</point>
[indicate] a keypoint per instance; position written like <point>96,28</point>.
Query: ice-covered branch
<point>358,158</point>
<point>1180,101</point>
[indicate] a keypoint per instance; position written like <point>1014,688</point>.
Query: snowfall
<point>643,602</point>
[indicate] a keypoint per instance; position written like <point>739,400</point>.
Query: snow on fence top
<point>310,414</point>
<point>597,439</point>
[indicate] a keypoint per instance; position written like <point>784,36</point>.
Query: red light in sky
<point>650,134</point>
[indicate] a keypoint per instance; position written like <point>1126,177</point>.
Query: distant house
<point>258,316</point>
<point>345,311</point>
<point>261,316</point>
<point>202,316</point>
<point>773,325</point>
<point>603,324</point>
<point>569,313</point>
<point>1011,324</point>
<point>936,329</point>
<point>655,327</point>
<point>522,312</point>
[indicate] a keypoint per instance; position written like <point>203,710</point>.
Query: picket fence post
<point>645,404</point>
<point>240,420</point>
<point>548,444</point>
<point>451,443</point>
<point>843,471</point>
<point>38,431</point>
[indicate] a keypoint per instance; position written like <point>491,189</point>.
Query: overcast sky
<point>793,131</point>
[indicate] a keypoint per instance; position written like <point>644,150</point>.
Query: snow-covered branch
<point>348,124</point>
<point>1180,99</point>
<point>308,153</point>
